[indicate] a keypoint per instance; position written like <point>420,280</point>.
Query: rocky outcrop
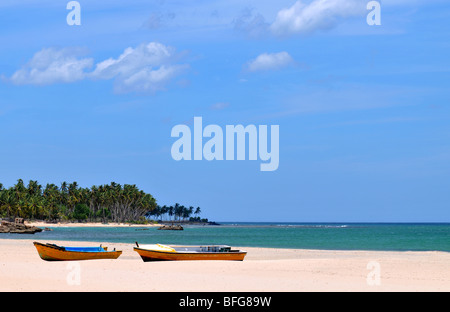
<point>171,227</point>
<point>18,228</point>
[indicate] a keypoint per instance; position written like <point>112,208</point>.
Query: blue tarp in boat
<point>85,249</point>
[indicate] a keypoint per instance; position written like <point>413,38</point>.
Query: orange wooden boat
<point>51,252</point>
<point>158,252</point>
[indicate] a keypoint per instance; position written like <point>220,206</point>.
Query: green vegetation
<point>106,203</point>
<point>176,212</point>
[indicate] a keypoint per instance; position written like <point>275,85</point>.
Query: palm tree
<point>197,211</point>
<point>170,211</point>
<point>178,210</point>
<point>190,211</point>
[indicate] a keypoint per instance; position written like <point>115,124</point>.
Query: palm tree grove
<point>70,202</point>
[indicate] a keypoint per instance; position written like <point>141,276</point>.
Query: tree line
<point>177,213</point>
<point>110,202</point>
<point>104,203</point>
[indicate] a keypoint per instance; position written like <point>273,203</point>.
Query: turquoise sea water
<point>331,236</point>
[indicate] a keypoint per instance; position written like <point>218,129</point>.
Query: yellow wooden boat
<point>158,252</point>
<point>51,252</point>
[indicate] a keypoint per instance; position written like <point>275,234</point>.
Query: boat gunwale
<point>191,252</point>
<point>62,249</point>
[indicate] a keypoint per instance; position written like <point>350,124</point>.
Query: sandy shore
<point>90,224</point>
<point>264,269</point>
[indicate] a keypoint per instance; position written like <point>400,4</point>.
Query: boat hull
<point>55,253</point>
<point>155,255</point>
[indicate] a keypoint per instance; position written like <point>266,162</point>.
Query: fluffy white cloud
<point>132,60</point>
<point>51,66</point>
<point>146,68</point>
<point>270,61</point>
<point>149,67</point>
<point>304,18</point>
<point>150,80</point>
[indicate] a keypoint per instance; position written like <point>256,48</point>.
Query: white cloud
<point>146,68</point>
<point>149,67</point>
<point>150,80</point>
<point>134,59</point>
<point>304,18</point>
<point>51,66</point>
<point>270,61</point>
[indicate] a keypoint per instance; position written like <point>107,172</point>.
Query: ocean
<point>327,236</point>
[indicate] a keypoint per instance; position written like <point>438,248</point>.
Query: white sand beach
<point>264,269</point>
<point>42,224</point>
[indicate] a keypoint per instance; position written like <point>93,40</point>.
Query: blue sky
<point>363,110</point>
